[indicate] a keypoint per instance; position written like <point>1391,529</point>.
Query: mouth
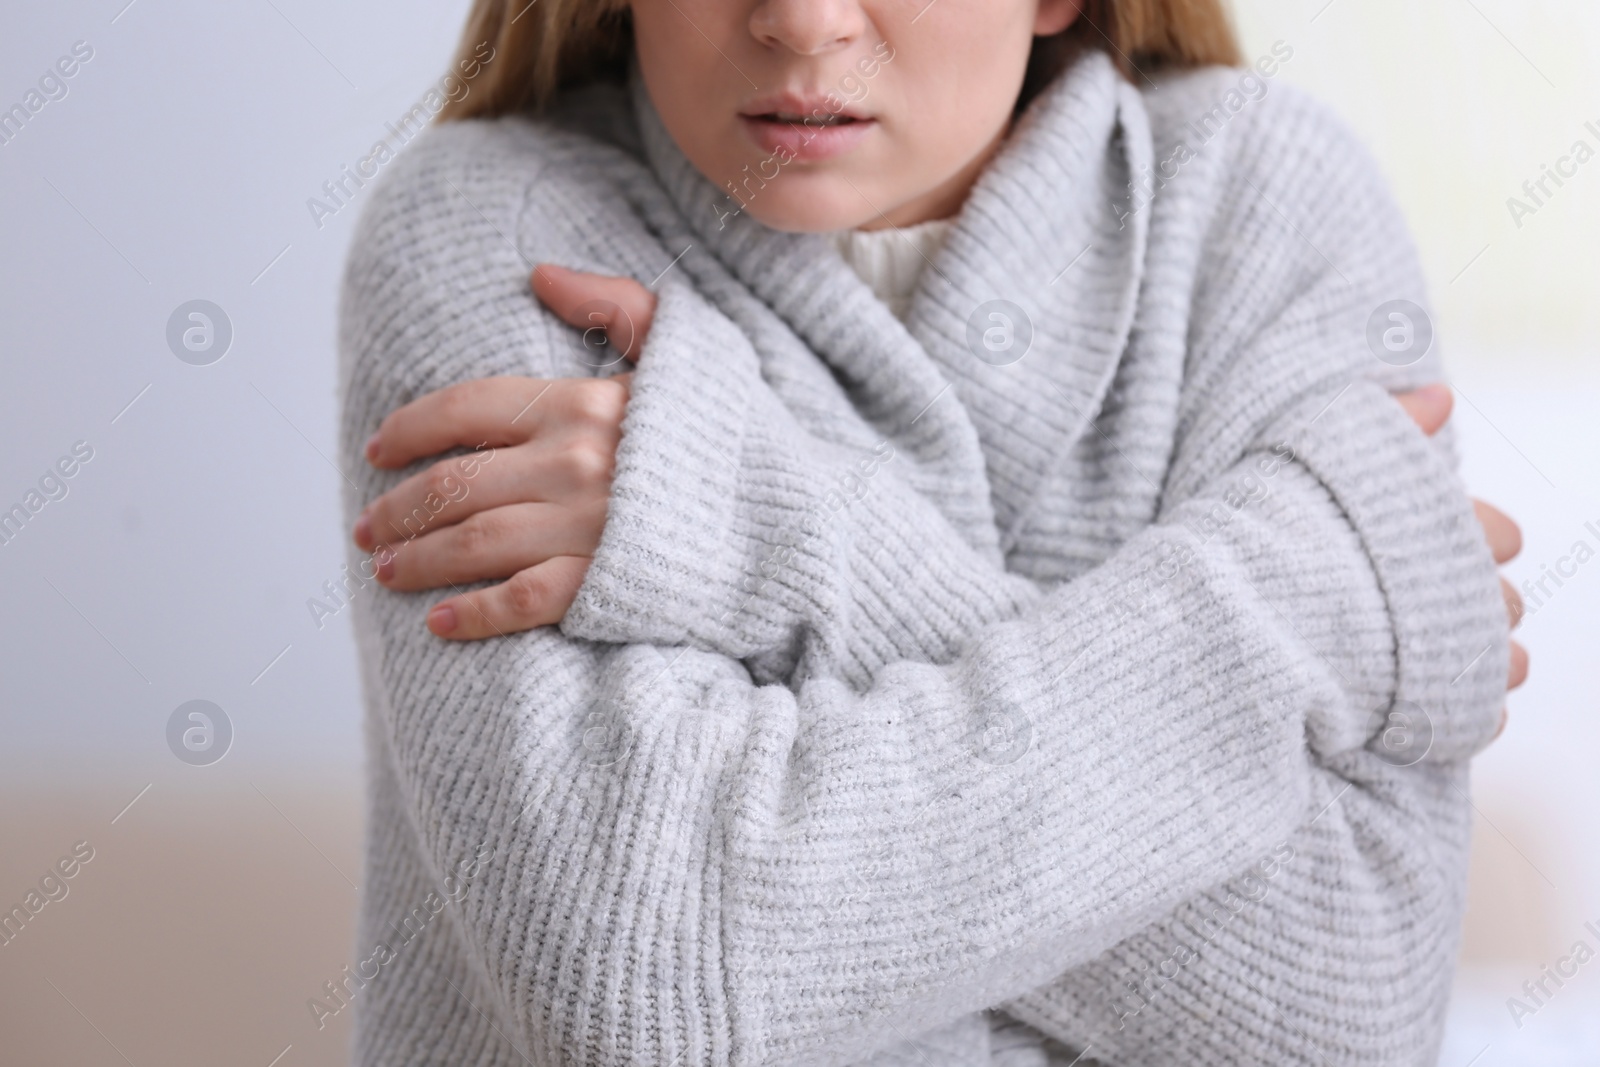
<point>795,118</point>
<point>808,107</point>
<point>801,127</point>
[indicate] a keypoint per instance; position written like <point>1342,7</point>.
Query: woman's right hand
<point>527,513</point>
<point>526,509</point>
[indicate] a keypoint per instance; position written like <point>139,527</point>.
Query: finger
<point>1519,666</point>
<point>1513,602</point>
<point>1428,406</point>
<point>492,545</point>
<point>555,471</point>
<point>1504,535</point>
<point>538,596</point>
<point>492,412</point>
<point>614,313</point>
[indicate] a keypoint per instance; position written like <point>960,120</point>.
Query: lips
<point>800,106</point>
<point>804,126</point>
<point>788,118</point>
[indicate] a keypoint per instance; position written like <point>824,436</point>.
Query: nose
<point>807,27</point>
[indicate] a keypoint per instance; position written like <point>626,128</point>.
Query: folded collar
<point>1045,241</point>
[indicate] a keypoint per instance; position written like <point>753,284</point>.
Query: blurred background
<point>178,561</point>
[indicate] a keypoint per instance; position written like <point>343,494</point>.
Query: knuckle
<point>456,399</point>
<point>599,402</point>
<point>526,594</point>
<point>440,482</point>
<point>447,406</point>
<point>588,462</point>
<point>475,535</point>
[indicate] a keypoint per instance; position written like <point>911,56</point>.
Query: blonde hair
<point>543,47</point>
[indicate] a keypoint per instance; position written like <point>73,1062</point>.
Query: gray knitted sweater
<point>921,669</point>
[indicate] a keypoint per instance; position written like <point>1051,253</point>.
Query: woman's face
<point>832,114</point>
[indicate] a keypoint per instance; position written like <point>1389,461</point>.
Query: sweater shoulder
<point>1234,148</point>
<point>485,172</point>
<point>435,284</point>
<point>1278,206</point>
<point>1270,214</point>
<point>1243,129</point>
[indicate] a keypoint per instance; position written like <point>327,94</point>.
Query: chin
<point>810,204</point>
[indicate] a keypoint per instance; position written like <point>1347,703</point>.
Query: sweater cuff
<point>1432,562</point>
<point>674,489</point>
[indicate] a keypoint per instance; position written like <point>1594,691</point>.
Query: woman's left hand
<point>530,511</point>
<point>1430,407</point>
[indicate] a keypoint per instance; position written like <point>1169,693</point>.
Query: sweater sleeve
<point>1338,945</point>
<point>733,530</point>
<point>1335,946</point>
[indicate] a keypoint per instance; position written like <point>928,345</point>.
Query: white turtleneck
<point>890,261</point>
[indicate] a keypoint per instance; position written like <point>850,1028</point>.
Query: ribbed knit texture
<point>907,683</point>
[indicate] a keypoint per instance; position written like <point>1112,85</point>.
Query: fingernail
<point>363,531</point>
<point>442,619</point>
<point>385,564</point>
<point>370,449</point>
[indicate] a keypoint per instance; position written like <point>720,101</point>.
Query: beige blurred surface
<point>205,921</point>
<point>1514,914</point>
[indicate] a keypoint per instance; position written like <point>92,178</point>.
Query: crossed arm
<point>535,523</point>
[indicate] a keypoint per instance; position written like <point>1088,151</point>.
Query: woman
<point>1085,664</point>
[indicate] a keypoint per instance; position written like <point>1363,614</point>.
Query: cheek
<point>694,88</point>
<point>953,94</point>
